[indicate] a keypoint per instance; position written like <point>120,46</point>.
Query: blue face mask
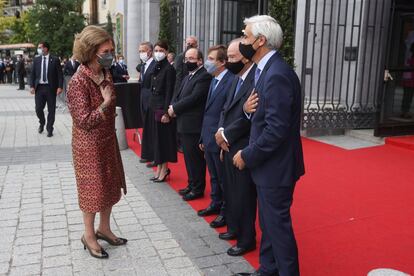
<point>210,66</point>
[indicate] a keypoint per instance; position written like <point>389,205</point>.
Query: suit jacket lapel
<point>247,85</point>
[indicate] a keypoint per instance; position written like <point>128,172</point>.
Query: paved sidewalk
<point>41,224</point>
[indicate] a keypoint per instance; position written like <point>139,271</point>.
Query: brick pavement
<point>41,224</point>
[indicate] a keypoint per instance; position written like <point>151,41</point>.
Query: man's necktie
<point>239,84</point>
<point>44,78</point>
<point>143,71</point>
<point>212,88</point>
<point>257,75</point>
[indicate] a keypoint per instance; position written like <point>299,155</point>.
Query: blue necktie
<point>239,84</point>
<point>257,75</point>
<point>212,88</point>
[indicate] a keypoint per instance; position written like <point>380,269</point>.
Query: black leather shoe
<point>191,196</point>
<point>184,191</point>
<point>49,134</point>
<point>143,160</point>
<point>239,251</point>
<point>151,165</point>
<point>208,211</point>
<point>227,236</point>
<point>41,128</point>
<point>219,221</point>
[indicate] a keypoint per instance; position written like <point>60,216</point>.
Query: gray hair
<point>148,44</point>
<point>268,27</point>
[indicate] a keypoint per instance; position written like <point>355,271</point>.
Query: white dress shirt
<point>41,69</point>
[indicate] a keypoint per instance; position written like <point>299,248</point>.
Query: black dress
<point>162,89</point>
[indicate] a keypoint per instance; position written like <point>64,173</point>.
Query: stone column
<point>142,24</point>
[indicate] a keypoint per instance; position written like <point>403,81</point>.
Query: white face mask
<point>39,51</point>
<point>143,57</point>
<point>159,56</point>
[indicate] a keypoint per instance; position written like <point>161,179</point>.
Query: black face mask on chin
<point>235,67</point>
<point>247,50</point>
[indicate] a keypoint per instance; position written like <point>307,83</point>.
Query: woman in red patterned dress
<point>96,158</point>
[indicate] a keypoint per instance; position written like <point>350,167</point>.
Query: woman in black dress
<point>162,89</point>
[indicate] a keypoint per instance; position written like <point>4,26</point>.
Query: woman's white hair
<point>268,27</point>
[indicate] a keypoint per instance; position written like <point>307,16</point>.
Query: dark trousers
<point>278,249</point>
<point>241,203</point>
<point>21,81</point>
<point>215,169</point>
<point>194,162</point>
<point>407,99</point>
<point>44,95</point>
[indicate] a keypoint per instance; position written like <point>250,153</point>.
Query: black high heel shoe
<point>116,242</point>
<point>165,177</point>
<point>154,178</point>
<point>96,254</point>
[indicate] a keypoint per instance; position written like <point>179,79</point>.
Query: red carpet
<point>353,211</point>
<point>406,142</point>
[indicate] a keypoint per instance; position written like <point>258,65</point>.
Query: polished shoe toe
<point>239,251</point>
<point>41,128</point>
<point>219,221</point>
<point>208,211</point>
<point>227,236</point>
<point>49,134</point>
<point>192,196</point>
<point>184,191</point>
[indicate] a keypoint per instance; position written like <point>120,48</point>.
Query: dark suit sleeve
<point>59,73</point>
<point>278,108</point>
<point>170,75</point>
<point>238,128</point>
<point>33,74</point>
<point>198,95</point>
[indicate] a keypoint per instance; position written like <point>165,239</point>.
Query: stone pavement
<point>41,224</point>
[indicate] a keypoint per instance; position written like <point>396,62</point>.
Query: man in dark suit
<point>146,70</point>
<point>46,82</point>
<point>70,68</point>
<point>21,71</point>
<point>188,106</point>
<point>219,88</point>
<point>274,154</point>
<point>179,64</point>
<point>233,135</point>
<point>119,70</point>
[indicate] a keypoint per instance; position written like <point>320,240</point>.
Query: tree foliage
<point>165,24</point>
<point>5,23</point>
<point>284,12</point>
<point>109,26</point>
<point>55,21</point>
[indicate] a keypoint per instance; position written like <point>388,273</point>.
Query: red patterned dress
<point>96,158</point>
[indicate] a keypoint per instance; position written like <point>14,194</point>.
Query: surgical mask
<point>40,51</point>
<point>144,57</point>
<point>159,56</point>
<point>105,60</point>
<point>121,61</point>
<point>191,66</point>
<point>210,66</point>
<point>235,67</point>
<point>247,50</point>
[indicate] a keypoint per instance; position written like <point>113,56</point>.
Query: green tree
<point>109,26</point>
<point>165,24</point>
<point>284,12</point>
<point>55,21</point>
<point>5,23</point>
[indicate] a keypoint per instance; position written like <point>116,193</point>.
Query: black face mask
<point>191,66</point>
<point>189,47</point>
<point>235,67</point>
<point>247,50</point>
